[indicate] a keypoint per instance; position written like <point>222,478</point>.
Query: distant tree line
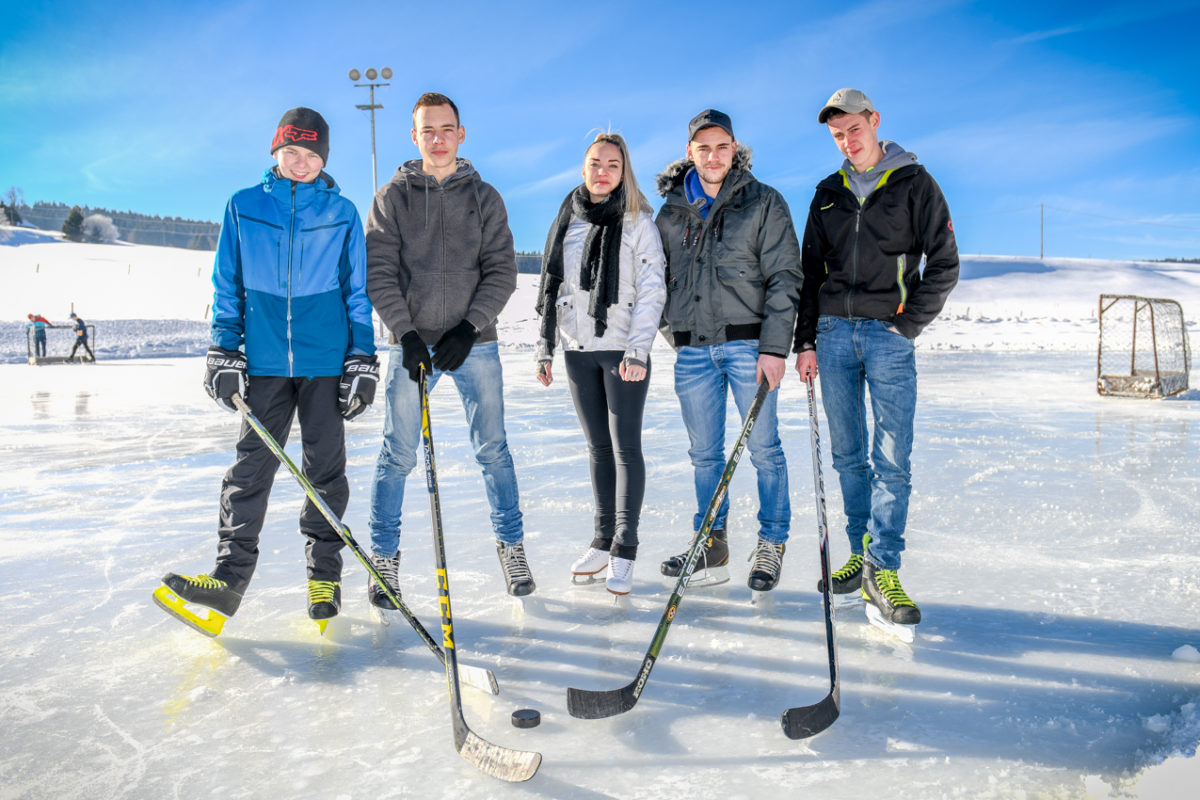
<point>132,227</point>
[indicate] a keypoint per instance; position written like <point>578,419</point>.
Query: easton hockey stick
<point>480,678</point>
<point>804,721</point>
<point>500,762</point>
<point>588,704</point>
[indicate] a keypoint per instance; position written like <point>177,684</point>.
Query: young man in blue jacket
<point>291,334</point>
<point>864,300</point>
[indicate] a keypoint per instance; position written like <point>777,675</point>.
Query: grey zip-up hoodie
<point>863,183</point>
<point>439,253</point>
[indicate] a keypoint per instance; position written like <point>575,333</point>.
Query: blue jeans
<point>480,385</point>
<point>703,377</point>
<point>853,354</point>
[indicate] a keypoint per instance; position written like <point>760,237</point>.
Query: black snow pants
<point>247,485</point>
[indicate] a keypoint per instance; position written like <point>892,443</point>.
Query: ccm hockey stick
<point>588,704</point>
<point>480,678</point>
<point>500,762</point>
<point>804,721</point>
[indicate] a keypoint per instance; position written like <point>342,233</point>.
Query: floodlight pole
<point>354,75</point>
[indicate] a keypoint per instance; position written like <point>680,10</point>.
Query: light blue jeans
<point>480,386</point>
<point>703,377</point>
<point>853,354</point>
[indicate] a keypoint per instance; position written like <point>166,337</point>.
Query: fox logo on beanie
<point>304,127</point>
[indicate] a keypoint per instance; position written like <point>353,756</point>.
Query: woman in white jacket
<point>602,292</point>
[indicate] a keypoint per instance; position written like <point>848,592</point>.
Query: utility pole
<point>386,74</point>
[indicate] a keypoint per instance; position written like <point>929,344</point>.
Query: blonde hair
<point>635,201</point>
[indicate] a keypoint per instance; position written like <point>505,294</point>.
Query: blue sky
<point>1090,109</point>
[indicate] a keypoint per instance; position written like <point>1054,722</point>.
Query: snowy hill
<point>1051,547</point>
<point>1001,303</point>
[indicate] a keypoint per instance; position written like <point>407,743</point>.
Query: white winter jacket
<point>633,320</point>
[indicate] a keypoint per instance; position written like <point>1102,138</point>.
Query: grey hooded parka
<point>734,274</point>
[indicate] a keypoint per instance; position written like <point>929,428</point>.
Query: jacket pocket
<point>743,293</point>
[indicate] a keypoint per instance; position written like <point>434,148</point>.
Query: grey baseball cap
<point>845,101</point>
<point>710,118</point>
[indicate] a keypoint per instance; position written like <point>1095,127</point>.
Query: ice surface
<point>1051,547</point>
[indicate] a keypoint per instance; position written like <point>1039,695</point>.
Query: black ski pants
<point>610,410</point>
<point>247,485</point>
<point>75,347</point>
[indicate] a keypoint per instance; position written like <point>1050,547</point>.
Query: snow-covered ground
<point>1052,549</point>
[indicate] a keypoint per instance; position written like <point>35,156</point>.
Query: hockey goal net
<point>1143,347</point>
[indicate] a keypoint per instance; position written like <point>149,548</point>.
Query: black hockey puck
<point>526,718</point>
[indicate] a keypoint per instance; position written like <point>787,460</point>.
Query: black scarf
<point>600,271</point>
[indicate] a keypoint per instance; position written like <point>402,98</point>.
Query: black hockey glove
<point>416,354</point>
<point>455,345</point>
<point>225,376</point>
<point>356,391</point>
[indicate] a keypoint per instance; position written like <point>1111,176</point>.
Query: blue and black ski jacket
<point>290,279</point>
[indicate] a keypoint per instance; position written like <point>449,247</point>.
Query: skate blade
<point>382,615</point>
<point>176,606</point>
<point>587,579</point>
<point>705,578</point>
<point>763,600</point>
<point>851,600</point>
<point>905,633</point>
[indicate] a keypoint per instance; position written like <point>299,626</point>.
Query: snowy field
<point>1051,547</point>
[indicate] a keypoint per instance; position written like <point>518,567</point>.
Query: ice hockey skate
<point>324,602</point>
<point>888,607</point>
<point>380,604</point>
<point>845,583</point>
<point>712,568</point>
<point>201,602</point>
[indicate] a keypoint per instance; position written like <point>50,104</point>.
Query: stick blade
<point>503,763</point>
<point>804,721</point>
<point>588,704</point>
<point>479,678</point>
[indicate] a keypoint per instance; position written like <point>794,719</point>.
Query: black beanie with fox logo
<point>305,128</point>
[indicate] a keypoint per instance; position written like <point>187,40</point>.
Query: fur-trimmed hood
<point>673,174</point>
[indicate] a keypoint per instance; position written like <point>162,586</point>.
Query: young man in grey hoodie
<point>440,268</point>
<point>864,300</point>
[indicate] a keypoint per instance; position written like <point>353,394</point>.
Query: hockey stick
<point>500,762</point>
<point>804,721</point>
<point>588,704</point>
<point>480,678</point>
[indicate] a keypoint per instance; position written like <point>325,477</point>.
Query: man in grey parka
<point>440,267</point>
<point>733,282</point>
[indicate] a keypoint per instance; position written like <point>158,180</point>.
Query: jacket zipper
<point>291,241</point>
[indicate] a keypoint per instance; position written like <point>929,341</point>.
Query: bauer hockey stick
<point>588,704</point>
<point>480,678</point>
<point>500,762</point>
<point>804,721</point>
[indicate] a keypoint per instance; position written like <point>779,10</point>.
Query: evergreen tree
<point>73,227</point>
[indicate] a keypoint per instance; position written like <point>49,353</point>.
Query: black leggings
<point>610,411</point>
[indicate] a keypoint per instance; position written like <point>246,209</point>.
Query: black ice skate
<point>711,568</point>
<point>214,600</point>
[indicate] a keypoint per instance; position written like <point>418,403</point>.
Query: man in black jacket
<point>864,299</point>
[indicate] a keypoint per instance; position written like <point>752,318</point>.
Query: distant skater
<point>39,324</point>
<point>81,338</point>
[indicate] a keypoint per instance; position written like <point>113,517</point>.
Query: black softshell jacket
<point>865,260</point>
